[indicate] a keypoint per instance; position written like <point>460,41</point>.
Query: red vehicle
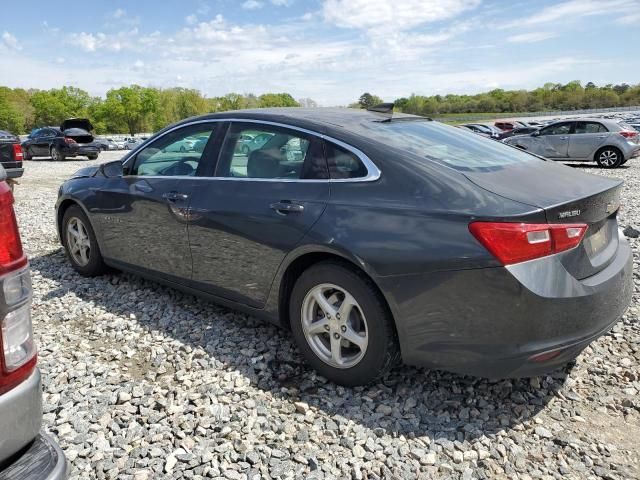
<point>25,452</point>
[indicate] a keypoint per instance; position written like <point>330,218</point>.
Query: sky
<point>328,50</point>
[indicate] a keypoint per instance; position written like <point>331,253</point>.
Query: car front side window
<point>178,153</point>
<point>560,129</point>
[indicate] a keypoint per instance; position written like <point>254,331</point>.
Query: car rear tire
<point>342,325</point>
<point>26,155</point>
<point>80,243</point>
<point>92,157</point>
<point>56,154</point>
<point>609,157</point>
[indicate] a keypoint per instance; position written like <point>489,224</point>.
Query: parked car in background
<point>635,126</point>
<point>106,143</point>
<point>518,131</point>
<point>507,126</point>
<point>11,155</point>
<point>72,139</point>
<point>607,142</point>
<point>485,130</point>
<point>25,452</point>
<point>131,143</point>
<point>370,236</point>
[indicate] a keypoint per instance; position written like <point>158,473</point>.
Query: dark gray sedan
<point>371,237</point>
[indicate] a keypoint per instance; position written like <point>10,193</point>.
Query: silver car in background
<point>610,143</point>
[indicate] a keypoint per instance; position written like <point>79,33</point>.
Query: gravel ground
<point>143,382</point>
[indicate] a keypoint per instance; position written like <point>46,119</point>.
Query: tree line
<point>133,109</point>
<point>551,96</point>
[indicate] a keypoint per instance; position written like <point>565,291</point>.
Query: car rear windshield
<point>450,146</point>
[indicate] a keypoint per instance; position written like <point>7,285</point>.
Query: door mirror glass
<point>112,169</point>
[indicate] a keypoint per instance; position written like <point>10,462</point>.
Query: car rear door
<point>586,138</point>
<point>255,208</point>
<point>553,141</point>
<point>143,215</point>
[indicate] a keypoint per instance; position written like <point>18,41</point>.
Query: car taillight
<point>518,242</point>
<point>17,152</point>
<point>69,140</point>
<point>11,254</point>
<point>628,134</point>
<point>18,358</point>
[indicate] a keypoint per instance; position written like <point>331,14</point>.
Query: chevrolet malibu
<point>372,237</point>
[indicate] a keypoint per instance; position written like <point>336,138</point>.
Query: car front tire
<point>342,325</point>
<point>80,243</point>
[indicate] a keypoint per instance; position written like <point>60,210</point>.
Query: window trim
<point>373,172</point>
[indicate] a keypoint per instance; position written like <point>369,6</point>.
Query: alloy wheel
<point>334,325</point>
<point>608,158</point>
<point>54,155</point>
<point>78,241</point>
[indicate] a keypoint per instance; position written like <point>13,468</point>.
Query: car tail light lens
<point>518,242</point>
<point>628,134</point>
<point>17,152</point>
<point>69,140</point>
<point>18,346</point>
<point>11,254</point>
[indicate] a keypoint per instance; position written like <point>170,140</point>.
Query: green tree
<point>131,106</point>
<point>368,100</point>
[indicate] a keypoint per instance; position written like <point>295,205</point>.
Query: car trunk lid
<point>81,123</point>
<point>567,196</point>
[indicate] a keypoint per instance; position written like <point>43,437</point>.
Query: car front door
<point>553,141</point>
<point>586,139</point>
<point>255,209</point>
<point>143,215</point>
<point>39,144</point>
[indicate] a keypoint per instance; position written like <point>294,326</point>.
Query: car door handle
<point>175,196</point>
<point>142,187</point>
<point>602,136</point>
<point>564,138</point>
<point>284,207</point>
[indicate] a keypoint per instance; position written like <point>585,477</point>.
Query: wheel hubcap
<point>54,154</point>
<point>334,326</point>
<point>78,241</point>
<point>608,158</point>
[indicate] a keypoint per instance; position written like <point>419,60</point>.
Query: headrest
<point>264,164</point>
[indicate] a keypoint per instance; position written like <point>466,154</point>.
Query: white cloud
<point>630,19</point>
<point>191,19</point>
<point>282,3</point>
<point>574,9</point>
<point>531,37</point>
<point>252,5</point>
<point>90,42</point>
<point>10,41</point>
<point>392,16</point>
<point>119,13</point>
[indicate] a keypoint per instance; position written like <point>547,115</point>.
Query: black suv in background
<point>11,155</point>
<point>71,139</point>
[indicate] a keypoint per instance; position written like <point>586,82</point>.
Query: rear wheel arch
<point>307,260</point>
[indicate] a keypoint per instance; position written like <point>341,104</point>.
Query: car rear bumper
<point>24,452</point>
<point>41,460</point>
<point>14,172</point>
<point>491,322</point>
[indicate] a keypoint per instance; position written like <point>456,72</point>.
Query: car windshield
<point>450,146</point>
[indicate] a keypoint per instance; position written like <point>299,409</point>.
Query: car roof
<point>321,118</point>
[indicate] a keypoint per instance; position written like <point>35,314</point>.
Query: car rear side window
<point>177,153</point>
<point>268,152</point>
<point>590,127</point>
<point>438,142</point>
<point>343,163</point>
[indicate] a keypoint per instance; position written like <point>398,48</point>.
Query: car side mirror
<point>536,134</point>
<point>112,169</point>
